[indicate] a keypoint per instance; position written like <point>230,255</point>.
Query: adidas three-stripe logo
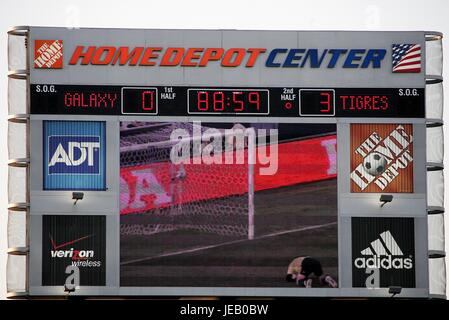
<point>384,253</point>
<point>385,245</point>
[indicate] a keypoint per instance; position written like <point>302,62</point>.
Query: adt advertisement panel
<point>74,155</point>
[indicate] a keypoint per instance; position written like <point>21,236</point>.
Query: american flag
<point>406,58</point>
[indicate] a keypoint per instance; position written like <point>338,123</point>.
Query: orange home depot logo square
<point>48,54</point>
<point>381,158</point>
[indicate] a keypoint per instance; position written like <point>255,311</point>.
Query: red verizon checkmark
<point>58,246</point>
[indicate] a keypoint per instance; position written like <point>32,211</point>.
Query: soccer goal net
<point>210,190</point>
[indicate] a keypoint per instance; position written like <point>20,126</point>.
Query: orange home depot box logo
<point>381,158</point>
<point>48,54</point>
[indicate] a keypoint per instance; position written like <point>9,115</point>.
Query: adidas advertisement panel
<point>383,252</point>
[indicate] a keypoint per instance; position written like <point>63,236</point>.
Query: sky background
<point>202,14</point>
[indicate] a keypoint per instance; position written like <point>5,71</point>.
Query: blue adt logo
<point>74,154</point>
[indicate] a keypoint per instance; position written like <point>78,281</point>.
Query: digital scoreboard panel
<point>223,162</point>
<point>214,101</point>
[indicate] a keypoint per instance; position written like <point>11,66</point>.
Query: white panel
<point>16,53</point>
<point>435,144</point>
<point>16,273</point>
<point>17,96</point>
<point>202,39</point>
<point>61,202</point>
<point>17,186</point>
<point>435,188</point>
<point>434,57</point>
<point>436,232</point>
<point>437,276</point>
<point>17,147</point>
<point>16,229</point>
<point>434,101</point>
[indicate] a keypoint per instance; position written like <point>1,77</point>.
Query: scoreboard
<point>244,101</point>
<point>222,162</point>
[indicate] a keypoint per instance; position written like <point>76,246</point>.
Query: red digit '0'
<point>326,102</point>
<point>254,98</point>
<point>148,100</point>
<point>203,102</point>
<point>239,105</point>
<point>218,101</point>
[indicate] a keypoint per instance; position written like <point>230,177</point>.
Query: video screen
<point>228,205</point>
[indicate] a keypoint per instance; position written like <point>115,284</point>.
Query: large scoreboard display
<point>223,162</point>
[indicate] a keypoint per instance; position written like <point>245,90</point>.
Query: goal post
<point>251,162</point>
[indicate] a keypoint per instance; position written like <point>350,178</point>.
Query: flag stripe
<point>408,70</point>
<point>413,60</point>
<point>408,66</point>
<point>407,57</point>
<point>413,49</point>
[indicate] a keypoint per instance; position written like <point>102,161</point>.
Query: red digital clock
<point>228,101</point>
